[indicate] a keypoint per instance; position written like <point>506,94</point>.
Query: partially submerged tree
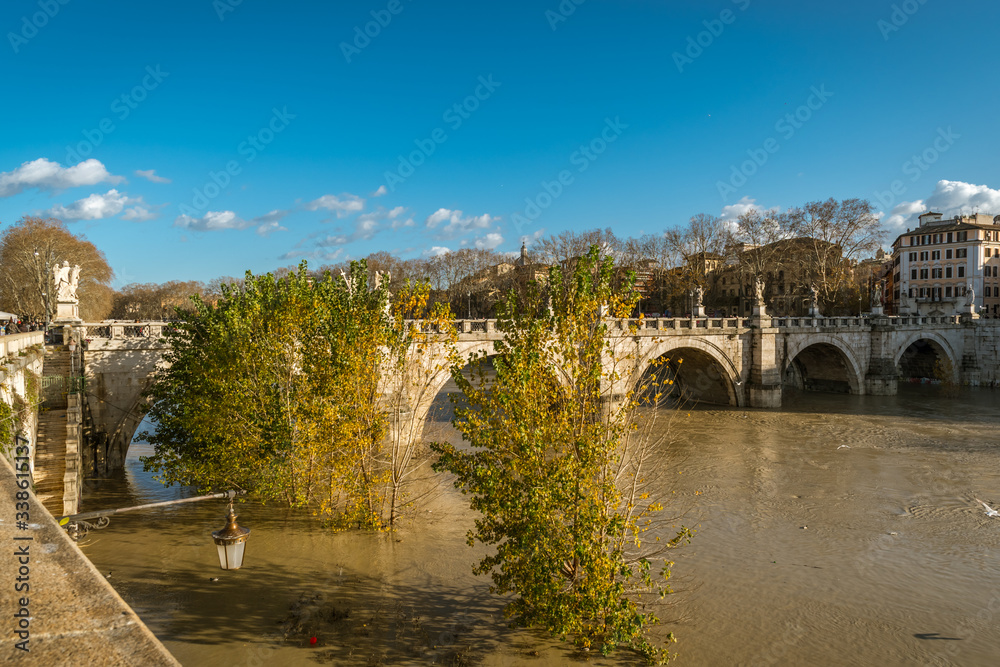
<point>278,389</point>
<point>558,464</point>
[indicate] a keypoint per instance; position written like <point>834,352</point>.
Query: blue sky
<point>268,132</point>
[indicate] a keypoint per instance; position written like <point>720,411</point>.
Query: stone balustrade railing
<point>121,330</point>
<point>11,344</point>
<point>124,330</point>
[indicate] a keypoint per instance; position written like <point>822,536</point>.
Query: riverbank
<point>57,608</point>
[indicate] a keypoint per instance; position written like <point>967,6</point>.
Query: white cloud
<point>47,175</point>
<point>436,251</point>
<point>366,227</point>
<point>531,240</point>
<point>733,211</point>
<point>342,205</point>
<point>950,198</point>
<point>267,224</point>
<point>380,192</point>
<point>489,242</point>
<point>955,197</point>
<point>94,207</point>
<point>903,212</point>
<point>457,223</point>
<point>150,175</point>
<point>138,214</point>
<point>398,221</point>
<point>219,220</point>
<point>211,221</point>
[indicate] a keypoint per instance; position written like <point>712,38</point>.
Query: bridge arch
<point>707,365</point>
<point>823,363</point>
<point>919,352</point>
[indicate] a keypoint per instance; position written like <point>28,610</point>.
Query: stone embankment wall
<point>57,609</point>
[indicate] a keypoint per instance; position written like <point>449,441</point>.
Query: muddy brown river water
<point>807,552</point>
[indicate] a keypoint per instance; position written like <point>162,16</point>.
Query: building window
<point>947,272</point>
<point>913,274</point>
<point>937,238</point>
<point>961,252</point>
<point>988,293</point>
<point>947,253</point>
<point>947,291</point>
<point>925,239</point>
<point>912,257</point>
<point>923,274</point>
<point>936,254</point>
<point>949,237</point>
<point>996,251</point>
<point>961,271</point>
<point>994,271</point>
<point>961,236</point>
<point>923,256</point>
<point>936,273</point>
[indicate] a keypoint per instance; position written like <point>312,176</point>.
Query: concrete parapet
<point>71,615</point>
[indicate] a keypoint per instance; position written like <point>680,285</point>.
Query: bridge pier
<point>765,370</point>
<point>971,371</point>
<point>882,378</point>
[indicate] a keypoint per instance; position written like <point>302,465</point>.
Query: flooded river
<point>840,530</point>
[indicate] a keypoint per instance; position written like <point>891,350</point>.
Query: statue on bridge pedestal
<point>876,299</point>
<point>697,297</point>
<point>814,301</point>
<point>66,279</point>
<point>970,295</point>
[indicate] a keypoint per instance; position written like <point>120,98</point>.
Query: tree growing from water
<point>277,389</point>
<point>558,464</point>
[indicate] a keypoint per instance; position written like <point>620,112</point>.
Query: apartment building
<point>934,265</point>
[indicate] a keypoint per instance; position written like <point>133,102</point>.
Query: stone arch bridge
<point>730,361</point>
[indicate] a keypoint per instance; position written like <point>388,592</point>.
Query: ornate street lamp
<point>231,541</point>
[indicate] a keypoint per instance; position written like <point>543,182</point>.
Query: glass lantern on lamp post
<point>231,542</point>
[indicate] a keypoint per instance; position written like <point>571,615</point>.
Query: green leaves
<point>271,391</point>
<point>545,470</point>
